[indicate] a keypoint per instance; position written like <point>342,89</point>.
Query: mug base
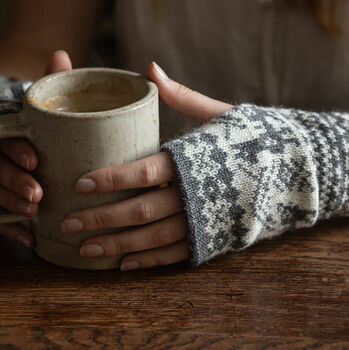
<point>68,256</point>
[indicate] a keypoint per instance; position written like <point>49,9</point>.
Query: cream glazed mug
<point>78,121</point>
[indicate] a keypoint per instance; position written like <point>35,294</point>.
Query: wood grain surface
<point>289,293</point>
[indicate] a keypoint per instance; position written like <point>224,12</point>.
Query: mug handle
<point>12,125</point>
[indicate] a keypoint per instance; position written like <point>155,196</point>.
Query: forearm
<point>255,172</point>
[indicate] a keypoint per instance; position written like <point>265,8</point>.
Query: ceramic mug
<point>79,121</point>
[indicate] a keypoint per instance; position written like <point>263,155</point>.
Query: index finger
<point>20,151</point>
<point>147,172</point>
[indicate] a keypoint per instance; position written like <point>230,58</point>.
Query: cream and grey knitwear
<point>11,94</point>
<point>255,172</point>
<point>251,173</point>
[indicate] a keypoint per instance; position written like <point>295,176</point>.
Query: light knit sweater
<point>252,172</point>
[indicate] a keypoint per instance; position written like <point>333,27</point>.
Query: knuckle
<point>18,147</point>
<point>112,178</point>
<point>17,180</point>
<point>146,211</point>
<point>156,260</point>
<point>162,238</point>
<point>98,221</point>
<point>149,173</point>
<point>183,90</point>
<point>118,247</point>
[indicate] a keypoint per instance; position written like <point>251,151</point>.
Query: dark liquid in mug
<point>85,103</point>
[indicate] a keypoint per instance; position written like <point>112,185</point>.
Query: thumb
<point>59,62</point>
<point>184,100</point>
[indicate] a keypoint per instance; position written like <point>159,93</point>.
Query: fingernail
<point>91,250</point>
<point>23,207</point>
<point>85,185</point>
<point>61,52</point>
<point>25,160</point>
<point>24,240</point>
<point>160,71</point>
<point>129,265</point>
<point>72,225</point>
<point>28,193</point>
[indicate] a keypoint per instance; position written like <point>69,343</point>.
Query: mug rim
<point>30,100</point>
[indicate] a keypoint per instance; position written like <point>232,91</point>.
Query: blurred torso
<point>266,52</point>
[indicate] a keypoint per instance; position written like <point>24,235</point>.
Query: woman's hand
<point>20,193</point>
<point>161,234</point>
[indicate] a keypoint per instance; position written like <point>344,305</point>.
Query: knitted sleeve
<point>11,94</point>
<point>255,172</point>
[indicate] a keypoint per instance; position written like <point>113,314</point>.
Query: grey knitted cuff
<point>11,94</point>
<point>255,172</point>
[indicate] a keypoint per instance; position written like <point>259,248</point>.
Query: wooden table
<point>289,293</point>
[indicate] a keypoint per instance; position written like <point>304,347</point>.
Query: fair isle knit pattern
<point>255,172</point>
<point>11,94</point>
<point>251,173</point>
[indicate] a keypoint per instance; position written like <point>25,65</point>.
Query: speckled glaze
<point>72,144</point>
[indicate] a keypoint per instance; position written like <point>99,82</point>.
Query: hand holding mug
<point>20,193</point>
<point>78,121</point>
<point>160,235</point>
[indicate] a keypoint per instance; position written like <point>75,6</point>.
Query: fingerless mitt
<point>255,172</point>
